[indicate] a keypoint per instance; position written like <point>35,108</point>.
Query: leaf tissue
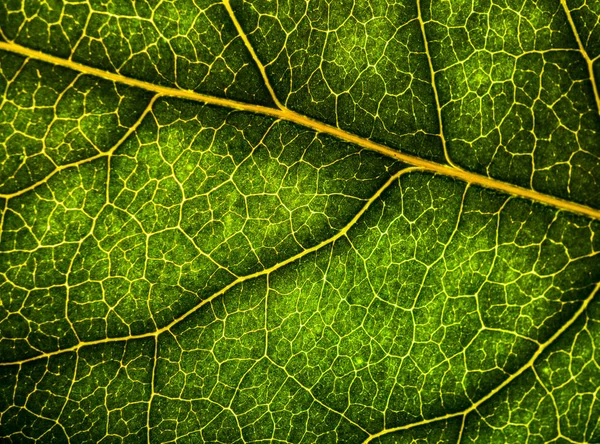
<point>300,221</point>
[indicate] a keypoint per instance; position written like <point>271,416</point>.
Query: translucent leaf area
<point>299,221</point>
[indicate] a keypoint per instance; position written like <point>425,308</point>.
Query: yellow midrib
<point>300,119</point>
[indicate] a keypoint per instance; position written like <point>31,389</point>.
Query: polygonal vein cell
<point>51,117</point>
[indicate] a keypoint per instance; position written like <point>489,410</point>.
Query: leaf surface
<point>286,221</point>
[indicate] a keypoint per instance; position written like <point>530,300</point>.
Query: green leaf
<point>289,221</point>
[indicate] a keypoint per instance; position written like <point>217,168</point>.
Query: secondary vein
<point>588,60</point>
<point>504,383</point>
<point>228,287</point>
<point>255,57</point>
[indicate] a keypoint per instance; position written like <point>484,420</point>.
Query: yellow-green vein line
<point>504,383</point>
<point>292,116</point>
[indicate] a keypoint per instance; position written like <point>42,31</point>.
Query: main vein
<point>300,119</point>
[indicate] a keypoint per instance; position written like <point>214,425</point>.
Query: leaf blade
<point>163,285</point>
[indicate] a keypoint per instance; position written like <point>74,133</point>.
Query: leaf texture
<point>289,221</point>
